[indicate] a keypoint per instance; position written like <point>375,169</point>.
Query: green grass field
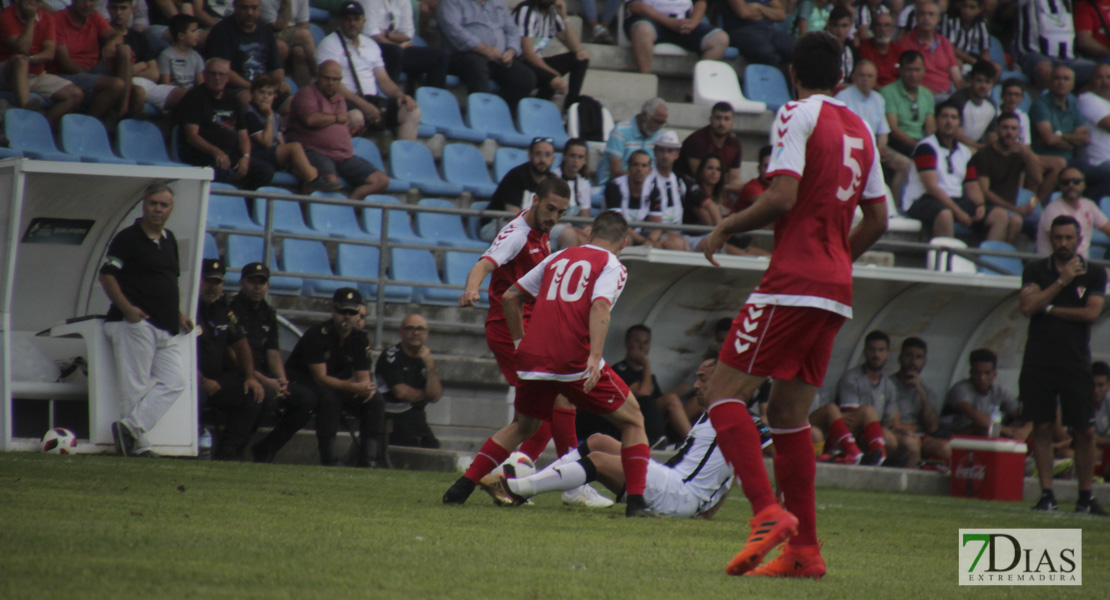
<point>105,527</point>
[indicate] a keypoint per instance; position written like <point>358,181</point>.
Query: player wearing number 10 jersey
<point>823,164</point>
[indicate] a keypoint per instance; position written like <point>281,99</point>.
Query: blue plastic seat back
<point>305,256</point>
<point>368,151</point>
<point>211,250</point>
<point>463,163</point>
<point>244,249</point>
<point>1005,265</point>
<point>505,159</point>
<point>413,265</point>
<point>456,267</point>
<point>229,212</point>
<point>537,117</point>
<point>332,219</point>
<point>487,112</point>
<point>28,130</point>
<point>141,141</point>
<point>362,262</point>
<point>439,108</point>
<point>766,84</point>
<point>439,226</point>
<point>372,217</point>
<point>474,224</point>
<point>412,161</point>
<point>288,217</point>
<point>85,136</point>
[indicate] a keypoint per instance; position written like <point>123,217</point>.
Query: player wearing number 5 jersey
<point>561,353</point>
<point>823,164</point>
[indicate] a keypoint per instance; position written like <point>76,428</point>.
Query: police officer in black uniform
<point>237,394</point>
<point>332,361</point>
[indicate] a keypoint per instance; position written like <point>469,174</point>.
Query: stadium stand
<point>413,162</point>
<point>489,113</point>
<point>29,132</point>
<point>440,109</point>
<point>229,212</point>
<point>85,137</point>
<point>244,249</point>
<point>336,221</point>
<point>309,258</point>
<point>445,229</point>
<point>407,264</point>
<point>368,150</point>
<point>999,265</point>
<point>537,118</point>
<point>463,165</point>
<point>764,83</point>
<point>142,142</point>
<point>361,262</point>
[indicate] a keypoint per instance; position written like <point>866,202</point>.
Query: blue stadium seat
<point>505,159</point>
<point>413,162</point>
<point>229,212</point>
<point>445,229</point>
<point>369,152</point>
<point>489,113</point>
<point>318,15</point>
<point>536,117</point>
<point>419,265</point>
<point>84,136</point>
<point>29,132</point>
<point>142,141</point>
<point>334,220</point>
<point>473,224</point>
<point>286,179</point>
<point>307,256</point>
<point>457,265</point>
<point>463,164</point>
<point>996,95</point>
<point>10,153</point>
<point>400,230</point>
<point>244,249</point>
<point>288,217</point>
<point>765,83</point>
<point>318,32</point>
<point>1005,265</point>
<point>440,109</point>
<point>362,262</point>
<point>211,250</point>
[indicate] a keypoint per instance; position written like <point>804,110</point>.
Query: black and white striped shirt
<point>540,24</point>
<point>974,41</point>
<point>1046,27</point>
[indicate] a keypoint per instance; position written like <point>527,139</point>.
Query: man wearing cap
<point>485,44</point>
<point>140,278</point>
<point>672,191</point>
<point>259,323</point>
<point>406,375</point>
<point>515,191</point>
<point>237,394</point>
<point>375,99</point>
<point>332,360</point>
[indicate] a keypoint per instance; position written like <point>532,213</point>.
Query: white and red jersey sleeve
<point>515,251</point>
<point>533,280</point>
<point>611,282</point>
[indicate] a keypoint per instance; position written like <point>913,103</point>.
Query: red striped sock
<point>873,435</point>
<point>842,438</point>
<point>562,429</point>
<point>634,461</point>
<point>795,473</point>
<point>489,457</point>
<point>739,442</point>
<point>535,445</point>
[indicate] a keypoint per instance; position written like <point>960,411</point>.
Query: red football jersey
<point>556,345</point>
<point>832,152</point>
<point>515,251</point>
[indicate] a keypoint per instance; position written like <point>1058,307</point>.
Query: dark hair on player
<point>909,56</point>
<point>179,24</point>
<point>984,68</point>
<point>983,355</point>
<point>816,61</point>
<point>550,186</point>
<point>877,336</point>
<point>1100,368</point>
<point>1064,220</point>
<point>914,342</point>
<point>638,327</point>
<point>722,107</point>
<point>610,226</point>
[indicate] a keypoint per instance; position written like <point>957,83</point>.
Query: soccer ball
<point>518,465</point>
<point>59,441</point>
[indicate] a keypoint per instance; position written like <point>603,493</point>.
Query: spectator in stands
<point>515,191</point>
<point>635,370</point>
<point>1101,375</point>
<point>332,361</point>
<point>672,192</point>
<point>539,21</point>
<point>751,30</point>
<point>840,26</point>
<point>907,16</point>
<point>977,110</point>
<point>1058,128</point>
<point>214,131</point>
<point>967,30</point>
<point>704,205</point>
<point>635,196</point>
<point>1071,203</point>
<point>258,321</point>
<point>140,279</point>
<point>140,18</point>
<point>226,386</point>
<point>24,53</point>
<point>573,171</point>
<point>1091,36</point>
<point>942,71</point>
<point>676,22</point>
<point>637,133</point>
<point>210,12</point>
<point>881,50</point>
<point>180,64</point>
<point>77,59</point>
<point>968,407</point>
<point>1045,38</point>
<point>1013,94</point>
<point>909,105</point>
<point>867,12</point>
<point>251,50</point>
<point>599,30</point>
<point>144,69</point>
<point>755,187</point>
<point>1094,158</point>
<point>160,13</point>
<point>318,120</point>
<point>715,138</point>
<point>913,418</point>
<point>407,378</point>
<point>376,100</point>
<point>863,100</point>
<point>268,142</point>
<point>485,44</point>
<point>811,15</point>
<point>296,47</point>
<point>1001,166</point>
<point>390,24</point>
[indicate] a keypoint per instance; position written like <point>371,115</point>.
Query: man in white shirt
<point>1094,158</point>
<point>675,22</point>
<point>375,101</point>
<point>390,23</point>
<point>1072,203</point>
<point>863,100</point>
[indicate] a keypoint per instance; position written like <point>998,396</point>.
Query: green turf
<point>104,527</point>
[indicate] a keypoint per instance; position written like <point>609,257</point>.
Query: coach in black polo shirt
<point>1062,296</point>
<point>332,360</point>
<point>259,322</point>
<point>407,377</point>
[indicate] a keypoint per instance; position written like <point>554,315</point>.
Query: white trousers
<point>148,367</point>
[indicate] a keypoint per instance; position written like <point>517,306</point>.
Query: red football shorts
<point>536,397</point>
<point>501,344</point>
<point>783,342</point>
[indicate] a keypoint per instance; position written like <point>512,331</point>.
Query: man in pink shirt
<point>1072,203</point>
<point>942,71</point>
<point>81,30</point>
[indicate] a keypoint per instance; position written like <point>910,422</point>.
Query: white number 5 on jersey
<point>851,143</point>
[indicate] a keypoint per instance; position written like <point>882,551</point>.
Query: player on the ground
<point>561,354</point>
<point>517,249</point>
<point>693,483</point>
<point>823,164</point>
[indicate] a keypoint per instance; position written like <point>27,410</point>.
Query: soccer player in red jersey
<point>823,164</point>
<point>574,290</point>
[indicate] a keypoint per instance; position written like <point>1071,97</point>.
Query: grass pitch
<point>105,527</point>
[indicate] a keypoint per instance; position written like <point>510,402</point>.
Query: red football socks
<point>535,445</point>
<point>873,434</point>
<point>489,457</point>
<point>795,473</point>
<point>634,461</point>
<point>563,430</point>
<point>842,438</point>
<point>738,440</point>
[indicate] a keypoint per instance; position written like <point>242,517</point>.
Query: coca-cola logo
<point>972,472</point>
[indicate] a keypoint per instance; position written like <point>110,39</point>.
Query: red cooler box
<point>987,468</point>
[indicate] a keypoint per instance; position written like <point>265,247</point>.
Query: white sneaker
<point>601,35</point>
<point>586,495</point>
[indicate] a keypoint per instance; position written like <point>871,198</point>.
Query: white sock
<point>569,457</point>
<point>558,478</point>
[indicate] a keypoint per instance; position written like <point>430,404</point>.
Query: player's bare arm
<point>512,302</point>
<point>779,198</point>
<point>869,229</point>
<point>599,328</point>
<point>474,279</point>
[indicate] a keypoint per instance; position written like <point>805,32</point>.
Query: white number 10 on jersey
<point>565,277</point>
